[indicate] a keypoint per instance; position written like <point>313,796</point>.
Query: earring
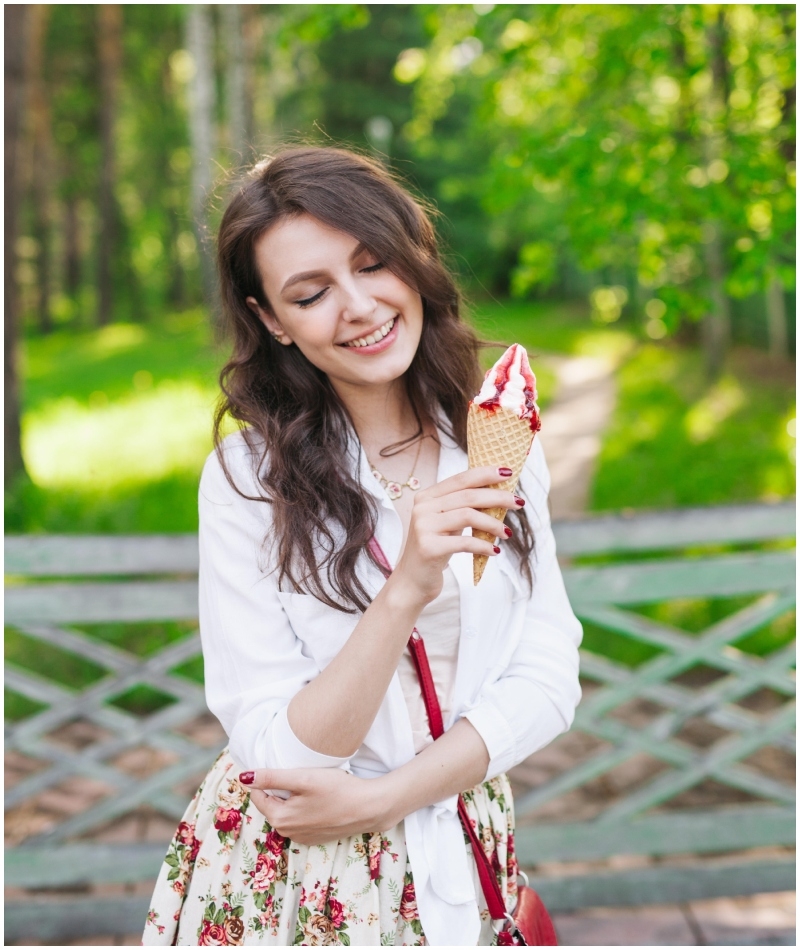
<point>276,336</point>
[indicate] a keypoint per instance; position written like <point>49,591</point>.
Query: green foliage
<point>629,134</point>
<point>677,440</point>
<point>141,700</point>
<point>536,268</point>
<point>556,140</point>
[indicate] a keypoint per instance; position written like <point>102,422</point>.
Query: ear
<point>269,321</point>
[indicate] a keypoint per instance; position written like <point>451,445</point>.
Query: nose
<point>357,303</point>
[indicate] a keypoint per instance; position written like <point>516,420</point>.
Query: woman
<point>331,818</point>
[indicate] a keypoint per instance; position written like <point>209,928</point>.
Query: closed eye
<point>309,300</point>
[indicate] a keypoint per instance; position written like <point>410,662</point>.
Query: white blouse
<point>516,677</point>
<point>439,625</point>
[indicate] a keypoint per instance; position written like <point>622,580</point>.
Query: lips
<point>374,337</point>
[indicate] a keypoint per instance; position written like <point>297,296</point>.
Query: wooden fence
<point>584,799</point>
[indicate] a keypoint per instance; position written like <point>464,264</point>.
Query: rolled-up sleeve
<point>254,662</point>
<point>535,697</point>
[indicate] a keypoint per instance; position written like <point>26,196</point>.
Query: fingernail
<point>496,549</point>
<point>247,778</point>
<point>508,531</point>
<point>505,472</point>
<point>519,501</point>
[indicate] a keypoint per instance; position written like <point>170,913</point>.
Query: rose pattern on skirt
<point>230,879</point>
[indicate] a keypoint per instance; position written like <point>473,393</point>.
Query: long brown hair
<point>290,415</point>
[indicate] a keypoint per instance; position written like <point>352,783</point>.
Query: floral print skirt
<point>229,879</point>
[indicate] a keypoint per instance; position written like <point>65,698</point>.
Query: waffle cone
<point>496,437</point>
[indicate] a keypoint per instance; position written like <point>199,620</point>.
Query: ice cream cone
<point>496,436</point>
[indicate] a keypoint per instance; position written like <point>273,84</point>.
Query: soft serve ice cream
<point>501,423</point>
<point>510,384</point>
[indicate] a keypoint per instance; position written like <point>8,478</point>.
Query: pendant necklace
<point>395,489</point>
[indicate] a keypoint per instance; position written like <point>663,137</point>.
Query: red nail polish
<point>496,549</point>
<point>508,531</point>
<point>519,501</point>
<point>505,472</point>
<point>247,778</point>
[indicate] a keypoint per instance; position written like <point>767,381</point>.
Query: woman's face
<point>346,312</point>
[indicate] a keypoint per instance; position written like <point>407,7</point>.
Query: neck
<point>381,415</point>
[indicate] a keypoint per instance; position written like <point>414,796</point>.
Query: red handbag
<point>529,924</point>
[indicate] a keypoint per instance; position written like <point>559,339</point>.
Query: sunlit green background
<point>588,161</point>
<point>612,180</point>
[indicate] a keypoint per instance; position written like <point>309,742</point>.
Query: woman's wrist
<point>387,800</point>
<point>404,596</point>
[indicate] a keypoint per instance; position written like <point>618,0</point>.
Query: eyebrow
<point>311,274</point>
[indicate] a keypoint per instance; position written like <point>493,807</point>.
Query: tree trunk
<point>717,323</point>
<point>252,29</point>
<point>235,85</point>
<point>776,319</point>
<point>72,246</point>
<point>109,35</point>
<point>17,25</point>
<point>201,138</point>
<point>42,171</point>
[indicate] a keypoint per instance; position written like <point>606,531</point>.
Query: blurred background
<point>614,182</point>
<point>615,187</point>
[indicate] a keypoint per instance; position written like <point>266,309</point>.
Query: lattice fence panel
<point>122,731</point>
<point>636,722</point>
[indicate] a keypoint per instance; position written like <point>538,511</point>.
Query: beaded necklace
<point>395,489</point>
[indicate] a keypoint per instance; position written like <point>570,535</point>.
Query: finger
<point>290,780</point>
<point>268,805</point>
<point>445,546</point>
<point>476,498</point>
<point>479,477</point>
<point>460,518</point>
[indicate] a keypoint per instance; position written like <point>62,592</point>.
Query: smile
<point>377,340</point>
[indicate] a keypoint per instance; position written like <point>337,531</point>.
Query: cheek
<point>312,330</point>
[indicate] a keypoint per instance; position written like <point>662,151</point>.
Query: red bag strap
<point>491,889</point>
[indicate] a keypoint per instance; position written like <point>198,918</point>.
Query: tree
<point>201,136</point>
<point>650,139</point>
<point>109,23</point>
<point>17,30</point>
<point>235,81</point>
<point>42,169</point>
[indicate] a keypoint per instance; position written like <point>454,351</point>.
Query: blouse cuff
<point>290,753</point>
<point>497,736</point>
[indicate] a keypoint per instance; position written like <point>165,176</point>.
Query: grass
<point>677,440</point>
<point>117,425</point>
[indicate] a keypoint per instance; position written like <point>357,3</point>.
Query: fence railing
<point>686,752</point>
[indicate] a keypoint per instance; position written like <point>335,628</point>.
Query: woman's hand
<point>440,515</point>
<point>324,805</point>
<point>330,804</point>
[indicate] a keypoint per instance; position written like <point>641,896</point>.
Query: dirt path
<point>572,429</point>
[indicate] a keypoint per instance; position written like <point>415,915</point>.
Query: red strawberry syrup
<point>502,373</point>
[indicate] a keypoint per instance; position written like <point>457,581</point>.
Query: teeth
<point>373,337</point>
